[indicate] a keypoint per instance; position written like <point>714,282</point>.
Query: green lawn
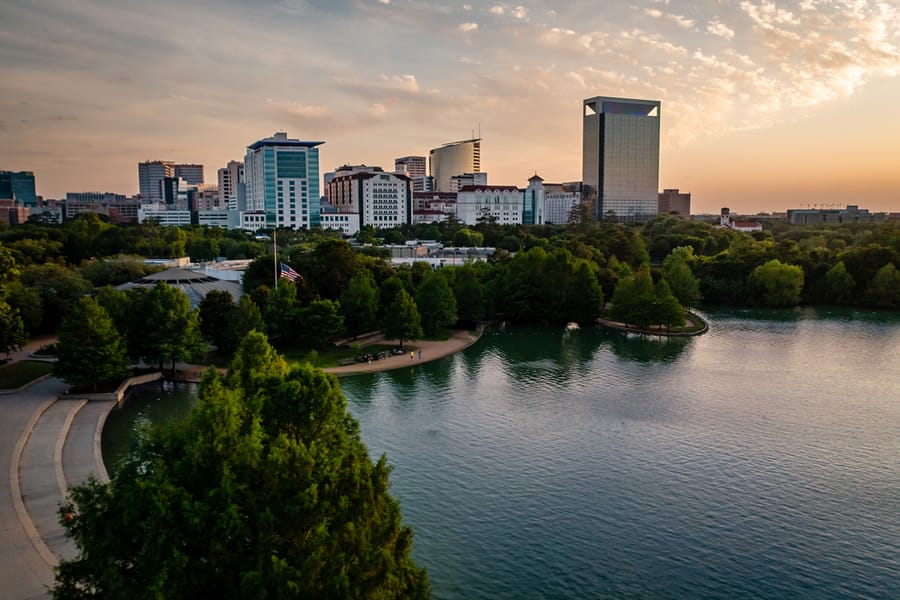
<point>17,374</point>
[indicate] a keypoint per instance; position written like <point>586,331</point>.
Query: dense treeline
<point>542,274</point>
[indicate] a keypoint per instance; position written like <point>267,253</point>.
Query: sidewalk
<point>431,350</point>
<point>46,445</point>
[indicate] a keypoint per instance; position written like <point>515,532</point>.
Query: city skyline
<point>766,105</point>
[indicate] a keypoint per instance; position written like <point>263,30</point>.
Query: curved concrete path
<point>47,444</point>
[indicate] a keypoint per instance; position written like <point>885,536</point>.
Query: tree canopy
<point>90,349</point>
<point>265,491</point>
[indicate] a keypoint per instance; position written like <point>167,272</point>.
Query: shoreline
<point>690,318</point>
<point>431,350</point>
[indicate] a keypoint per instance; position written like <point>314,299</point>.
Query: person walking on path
<point>420,355</point>
<point>412,355</point>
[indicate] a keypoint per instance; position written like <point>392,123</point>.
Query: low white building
<point>253,220</point>
<point>346,223</point>
<point>163,216</point>
<point>500,203</point>
<point>226,219</point>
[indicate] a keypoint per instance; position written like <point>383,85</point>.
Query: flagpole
<point>275,253</point>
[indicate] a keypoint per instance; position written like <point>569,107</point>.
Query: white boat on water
<point>572,326</point>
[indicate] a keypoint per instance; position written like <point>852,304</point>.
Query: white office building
<point>380,199</point>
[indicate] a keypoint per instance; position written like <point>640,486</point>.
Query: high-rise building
<point>229,176</point>
<point>151,174</point>
<point>282,179</point>
<point>620,160</point>
<point>452,159</point>
<point>411,166</point>
<point>672,201</point>
<point>414,168</point>
<point>18,185</point>
<point>191,173</point>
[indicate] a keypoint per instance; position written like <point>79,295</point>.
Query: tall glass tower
<point>282,177</point>
<point>620,159</point>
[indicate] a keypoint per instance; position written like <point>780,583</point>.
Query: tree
<point>281,309</point>
<point>778,284</point>
<point>58,287</point>
<point>90,349</point>
<point>170,327</point>
<point>436,303</point>
<point>320,320</point>
<point>359,303</point>
<point>680,278</point>
<point>585,294</point>
<point>840,288</point>
<point>245,318</point>
<point>12,330</point>
<point>215,312</point>
<point>884,289</point>
<point>265,491</point>
<point>632,302</point>
<point>388,292</point>
<point>666,308</point>
<point>469,293</point>
<point>401,319</point>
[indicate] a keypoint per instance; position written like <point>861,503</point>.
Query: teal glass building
<point>282,179</point>
<point>18,185</point>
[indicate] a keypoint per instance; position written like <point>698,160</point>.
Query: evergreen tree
<point>436,303</point>
<point>265,491</point>
<point>170,329</point>
<point>243,320</point>
<point>684,285</point>
<point>321,320</point>
<point>90,349</point>
<point>585,294</point>
<point>215,309</point>
<point>282,309</point>
<point>666,308</point>
<point>401,320</point>
<point>359,303</point>
<point>469,292</point>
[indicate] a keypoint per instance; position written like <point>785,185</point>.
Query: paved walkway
<point>431,350</point>
<point>46,444</point>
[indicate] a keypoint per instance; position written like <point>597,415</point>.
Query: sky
<point>765,105</point>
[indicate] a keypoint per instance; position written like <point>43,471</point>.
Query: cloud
<point>521,13</point>
<point>467,27</point>
<point>302,110</point>
<point>497,10</point>
<point>679,20</point>
<point>720,29</point>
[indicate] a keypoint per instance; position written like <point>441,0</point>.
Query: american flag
<point>288,273</point>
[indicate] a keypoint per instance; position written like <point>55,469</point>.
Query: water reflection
<point>646,349</point>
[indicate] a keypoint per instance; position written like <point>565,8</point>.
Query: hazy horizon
<point>765,105</point>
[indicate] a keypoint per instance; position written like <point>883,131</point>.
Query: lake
<point>761,460</point>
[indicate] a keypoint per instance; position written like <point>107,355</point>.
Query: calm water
<point>761,460</point>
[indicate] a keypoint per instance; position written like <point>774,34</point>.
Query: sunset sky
<point>765,105</point>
